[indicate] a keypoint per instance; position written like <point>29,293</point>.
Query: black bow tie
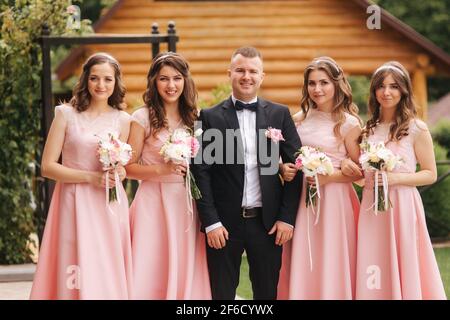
<point>239,105</point>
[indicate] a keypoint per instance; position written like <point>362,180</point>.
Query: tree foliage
<point>430,18</point>
<point>20,69</point>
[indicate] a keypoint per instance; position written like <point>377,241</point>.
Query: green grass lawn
<point>442,256</point>
<point>443,259</point>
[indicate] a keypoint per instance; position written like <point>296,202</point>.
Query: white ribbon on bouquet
<point>316,214</point>
<point>385,185</point>
<point>189,198</point>
<point>116,181</point>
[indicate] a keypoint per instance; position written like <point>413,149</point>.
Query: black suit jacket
<point>222,184</point>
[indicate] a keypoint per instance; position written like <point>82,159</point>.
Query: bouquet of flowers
<point>376,157</point>
<point>112,152</point>
<point>313,162</point>
<point>179,148</point>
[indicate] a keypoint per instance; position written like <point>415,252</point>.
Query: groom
<point>244,204</point>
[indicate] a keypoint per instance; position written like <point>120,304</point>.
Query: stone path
<point>15,290</point>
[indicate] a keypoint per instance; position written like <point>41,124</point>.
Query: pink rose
<point>71,9</point>
<point>298,163</point>
<point>195,145</point>
<point>274,134</point>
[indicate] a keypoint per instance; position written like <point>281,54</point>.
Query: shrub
<point>436,200</point>
<point>20,67</point>
<point>218,94</point>
<point>441,134</point>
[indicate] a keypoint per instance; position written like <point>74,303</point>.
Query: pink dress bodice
<point>403,148</point>
<point>83,134</point>
<point>152,145</point>
<point>317,131</point>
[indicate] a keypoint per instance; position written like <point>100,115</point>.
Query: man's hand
<point>284,232</point>
<point>288,171</point>
<point>217,238</point>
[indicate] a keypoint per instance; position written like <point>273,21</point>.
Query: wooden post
<point>419,83</point>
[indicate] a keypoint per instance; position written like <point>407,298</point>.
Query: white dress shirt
<point>252,189</point>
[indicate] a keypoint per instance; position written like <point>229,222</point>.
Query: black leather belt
<point>251,212</point>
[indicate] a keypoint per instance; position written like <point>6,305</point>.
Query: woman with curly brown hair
<point>320,262</point>
<point>86,249</point>
<point>395,258</point>
<point>169,256</point>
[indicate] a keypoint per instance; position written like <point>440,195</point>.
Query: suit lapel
<point>229,113</point>
<point>261,117</point>
<point>261,124</point>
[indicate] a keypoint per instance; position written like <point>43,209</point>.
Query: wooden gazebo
<point>288,33</point>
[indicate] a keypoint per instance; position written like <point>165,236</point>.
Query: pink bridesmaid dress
<point>86,249</point>
<point>169,253</point>
<point>395,256</point>
<point>320,260</point>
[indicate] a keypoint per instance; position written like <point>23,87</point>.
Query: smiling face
<point>388,94</point>
<point>321,90</point>
<point>170,84</point>
<point>246,76</point>
<point>101,82</point>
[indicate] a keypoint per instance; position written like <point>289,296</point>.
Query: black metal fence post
<point>45,186</point>
<point>155,46</point>
<point>172,37</point>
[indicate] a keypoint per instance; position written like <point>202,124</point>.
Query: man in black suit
<point>244,204</point>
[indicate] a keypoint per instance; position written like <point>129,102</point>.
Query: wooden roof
<point>288,33</point>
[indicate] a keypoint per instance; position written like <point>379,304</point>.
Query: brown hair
<point>248,52</point>
<point>343,100</point>
<point>406,108</point>
<point>187,104</point>
<point>81,97</point>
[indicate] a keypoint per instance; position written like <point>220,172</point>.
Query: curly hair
<point>406,109</point>
<point>343,99</point>
<point>187,105</point>
<point>81,97</point>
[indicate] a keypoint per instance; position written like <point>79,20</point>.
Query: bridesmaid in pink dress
<point>169,254</point>
<point>86,249</point>
<point>320,262</point>
<point>395,255</point>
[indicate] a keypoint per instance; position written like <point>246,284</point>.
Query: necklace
<point>177,125</point>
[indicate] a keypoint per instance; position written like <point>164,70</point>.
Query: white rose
<point>198,132</point>
<point>180,135</point>
<point>329,167</point>
<point>178,152</point>
<point>384,154</point>
<point>125,153</point>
